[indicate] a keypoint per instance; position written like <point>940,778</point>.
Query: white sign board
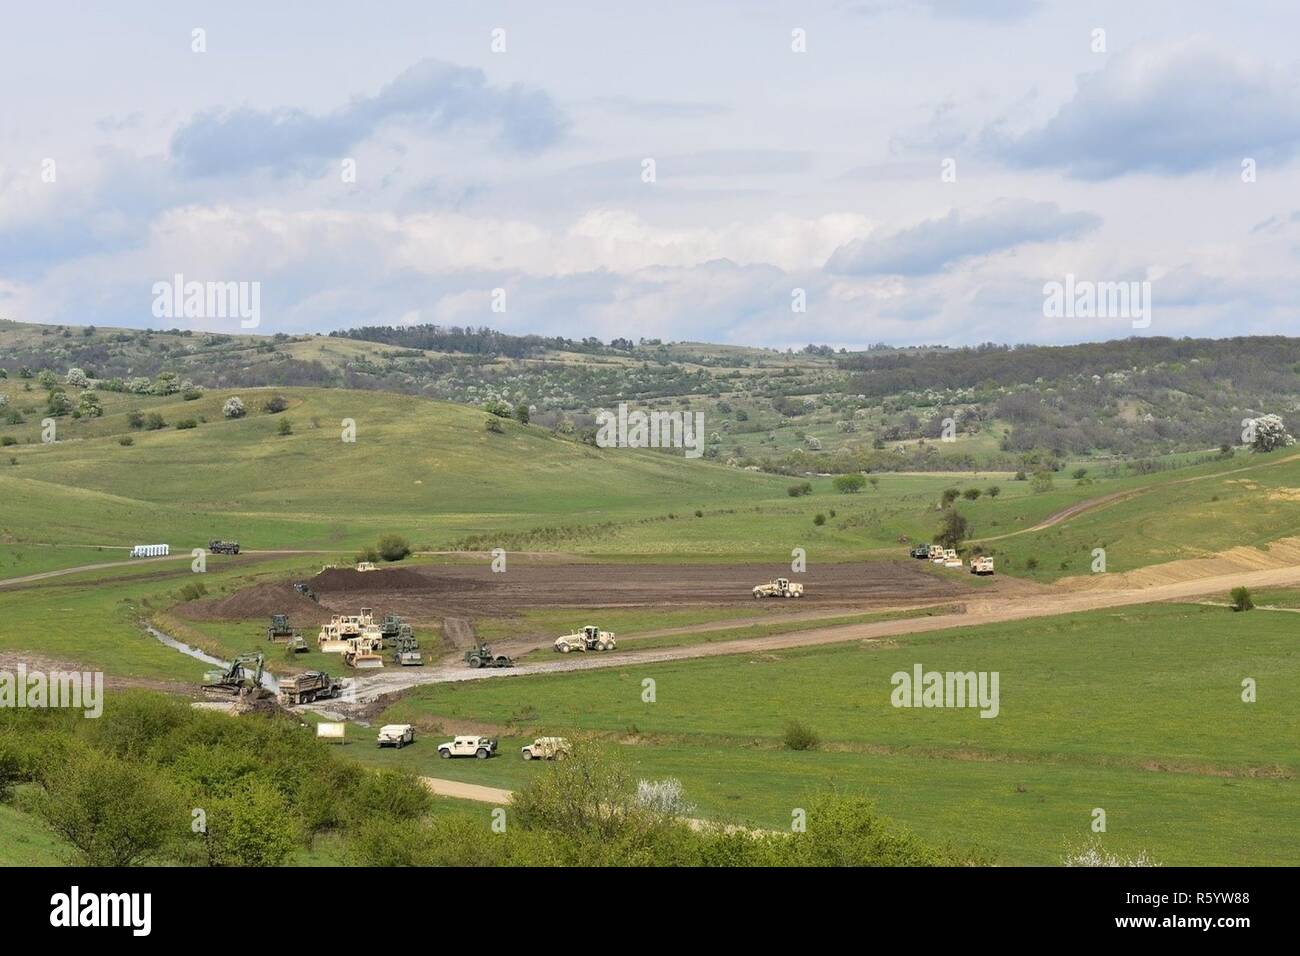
<point>330,731</point>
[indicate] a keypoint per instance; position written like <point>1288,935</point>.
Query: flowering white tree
<point>234,407</point>
<point>1092,854</point>
<point>76,378</point>
<point>1269,433</point>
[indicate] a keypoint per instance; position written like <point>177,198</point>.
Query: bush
<point>493,425</point>
<point>7,440</point>
<point>393,547</point>
<point>193,591</point>
<point>797,491</point>
<point>185,423</point>
<point>799,736</point>
<point>1242,600</point>
<point>849,484</point>
<point>949,496</point>
<point>994,491</point>
<point>275,404</point>
<point>284,428</point>
<point>1042,482</point>
<point>953,528</point>
<point>234,407</point>
<point>135,419</point>
<point>153,422</point>
<point>819,519</point>
<point>126,441</point>
<point>191,394</point>
<point>970,494</point>
<point>367,554</point>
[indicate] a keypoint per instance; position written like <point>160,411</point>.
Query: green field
<point>1137,712</point>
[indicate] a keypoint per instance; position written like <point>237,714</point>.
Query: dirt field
<point>427,593</point>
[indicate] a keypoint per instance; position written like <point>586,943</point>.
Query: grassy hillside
<point>1150,728</point>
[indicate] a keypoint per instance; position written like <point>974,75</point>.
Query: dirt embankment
<point>260,600</point>
<point>1283,553</point>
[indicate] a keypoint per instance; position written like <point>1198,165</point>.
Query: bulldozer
<point>590,638</point>
<point>242,674</point>
<point>779,587</point>
<point>406,651</point>
<point>363,652</point>
<point>302,588</point>
<point>279,629</point>
<point>334,636</point>
<point>391,627</point>
<point>482,656</point>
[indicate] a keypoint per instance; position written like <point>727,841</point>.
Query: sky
<point>841,172</point>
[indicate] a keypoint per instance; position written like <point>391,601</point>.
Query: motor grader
<point>590,638</point>
<point>779,587</point>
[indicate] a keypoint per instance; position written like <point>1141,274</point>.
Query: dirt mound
<point>386,579</point>
<point>260,600</point>
<point>1283,553</point>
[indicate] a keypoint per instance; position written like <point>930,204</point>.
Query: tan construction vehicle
<point>779,587</point>
<point>366,566</point>
<point>936,554</point>
<point>983,565</point>
<point>363,652</point>
<point>546,748</point>
<point>590,638</point>
<point>951,559</point>
<point>334,636</point>
<point>305,688</point>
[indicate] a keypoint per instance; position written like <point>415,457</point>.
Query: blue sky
<point>775,170</point>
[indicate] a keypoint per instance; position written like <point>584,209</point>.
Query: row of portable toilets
<point>151,550</point>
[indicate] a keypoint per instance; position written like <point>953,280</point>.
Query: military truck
<point>779,587</point>
<point>590,638</point>
<point>217,546</point>
<point>982,565</point>
<point>921,551</point>
<point>305,688</point>
<point>396,735</point>
<point>482,656</point>
<point>467,746</point>
<point>546,748</point>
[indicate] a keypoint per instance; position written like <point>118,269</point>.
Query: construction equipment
<point>305,688</point>
<point>951,560</point>
<point>480,747</point>
<point>391,627</point>
<point>243,673</point>
<point>406,652</point>
<point>590,638</point>
<point>936,554</point>
<point>366,566</point>
<point>280,629</point>
<point>546,748</point>
<point>482,656</point>
<point>363,652</point>
<point>921,551</point>
<point>396,735</point>
<point>334,636</point>
<point>297,644</point>
<point>217,546</point>
<point>302,588</point>
<point>982,565</point>
<point>779,587</point>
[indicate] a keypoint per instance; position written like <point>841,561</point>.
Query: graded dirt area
<point>423,593</point>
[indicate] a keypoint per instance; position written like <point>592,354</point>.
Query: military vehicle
<point>406,651</point>
<point>471,746</point>
<point>921,551</point>
<point>482,656</point>
<point>302,588</point>
<point>366,566</point>
<point>982,565</point>
<point>305,688</point>
<point>779,587</point>
<point>396,735</point>
<point>546,748</point>
<point>243,673</point>
<point>217,546</point>
<point>590,638</point>
<point>279,628</point>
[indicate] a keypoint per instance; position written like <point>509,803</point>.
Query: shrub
<point>393,547</point>
<point>1042,482</point>
<point>664,796</point>
<point>76,378</point>
<point>1242,600</point>
<point>993,491</point>
<point>187,423</point>
<point>949,496</point>
<point>493,425</point>
<point>275,404</point>
<point>849,484</point>
<point>191,394</point>
<point>819,519</point>
<point>135,419</point>
<point>953,528</point>
<point>234,407</point>
<point>521,413</point>
<point>153,422</point>
<point>970,494</point>
<point>799,736</point>
<point>7,440</point>
<point>367,554</point>
<point>126,441</point>
<point>284,428</point>
<point>803,488</point>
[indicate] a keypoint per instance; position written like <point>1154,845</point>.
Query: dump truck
<point>779,587</point>
<point>546,748</point>
<point>406,651</point>
<point>243,673</point>
<point>468,746</point>
<point>217,546</point>
<point>482,656</point>
<point>279,628</point>
<point>396,735</point>
<point>983,565</point>
<point>590,638</point>
<point>305,688</point>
